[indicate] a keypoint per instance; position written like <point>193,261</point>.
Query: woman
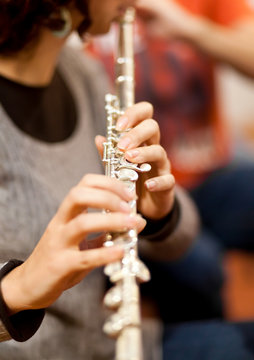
<point>52,107</point>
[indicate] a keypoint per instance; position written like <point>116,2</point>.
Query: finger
<point>81,198</point>
<point>146,132</point>
<point>107,183</point>
<point>99,140</point>
<point>134,115</point>
<point>90,259</point>
<point>84,224</point>
<point>161,183</point>
<point>141,225</point>
<point>98,241</point>
<point>150,154</point>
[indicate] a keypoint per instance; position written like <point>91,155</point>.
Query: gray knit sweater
<point>34,178</point>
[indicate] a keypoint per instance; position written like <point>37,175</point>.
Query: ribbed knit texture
<point>34,178</point>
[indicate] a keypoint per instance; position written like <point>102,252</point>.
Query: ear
<point>65,17</point>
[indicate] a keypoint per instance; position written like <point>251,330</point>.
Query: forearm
<point>231,45</point>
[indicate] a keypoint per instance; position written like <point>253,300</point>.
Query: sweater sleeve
<point>172,242</point>
<point>23,325</point>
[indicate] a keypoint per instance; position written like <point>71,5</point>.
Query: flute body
<point>123,297</point>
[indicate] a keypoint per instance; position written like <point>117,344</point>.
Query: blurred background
<point>236,96</point>
<point>196,91</point>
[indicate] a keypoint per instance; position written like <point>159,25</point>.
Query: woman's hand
<point>59,260</point>
<point>142,145</point>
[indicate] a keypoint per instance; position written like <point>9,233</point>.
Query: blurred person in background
<point>179,44</point>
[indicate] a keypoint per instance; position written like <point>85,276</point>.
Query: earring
<point>66,18</point>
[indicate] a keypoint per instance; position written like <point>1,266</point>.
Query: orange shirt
<point>224,12</point>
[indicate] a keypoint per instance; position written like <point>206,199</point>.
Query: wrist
<point>167,224</point>
<point>12,296</point>
<point>20,325</point>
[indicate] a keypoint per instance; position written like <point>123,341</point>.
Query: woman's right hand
<point>58,261</point>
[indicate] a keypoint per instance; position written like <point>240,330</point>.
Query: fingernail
<point>132,153</point>
<point>150,184</point>
<point>143,221</point>
<point>124,143</point>
<point>122,123</point>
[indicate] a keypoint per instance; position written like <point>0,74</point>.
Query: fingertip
<point>142,224</point>
<point>151,184</point>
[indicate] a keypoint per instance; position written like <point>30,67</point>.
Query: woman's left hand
<point>141,144</point>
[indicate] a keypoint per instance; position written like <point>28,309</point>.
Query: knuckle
<point>168,182</point>
<point>81,224</point>
<point>155,125</point>
<point>115,202</point>
<point>149,107</point>
<point>172,178</point>
<point>84,263</point>
<point>74,195</point>
<point>165,159</point>
<point>87,179</point>
<point>163,153</point>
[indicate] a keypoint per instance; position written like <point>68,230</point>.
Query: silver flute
<point>124,296</point>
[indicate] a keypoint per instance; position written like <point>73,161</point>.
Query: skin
<point>57,262</point>
<point>231,45</point>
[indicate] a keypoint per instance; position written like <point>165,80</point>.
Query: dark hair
<point>21,20</point>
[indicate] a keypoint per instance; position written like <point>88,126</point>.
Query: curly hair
<point>21,20</point>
